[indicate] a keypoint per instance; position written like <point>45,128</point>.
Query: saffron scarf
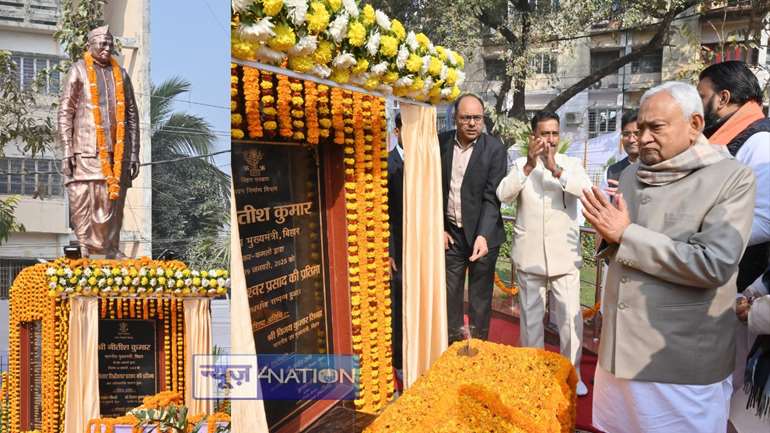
<point>699,155</point>
<point>749,113</point>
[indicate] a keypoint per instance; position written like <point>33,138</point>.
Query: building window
<point>31,66</point>
<point>602,58</point>
<point>717,53</point>
<point>494,69</point>
<point>648,64</point>
<point>9,269</point>
<point>34,177</point>
<point>601,121</point>
<point>543,63</point>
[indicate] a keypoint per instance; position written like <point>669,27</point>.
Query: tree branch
<point>655,43</point>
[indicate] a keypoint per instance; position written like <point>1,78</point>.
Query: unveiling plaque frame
<point>293,233</point>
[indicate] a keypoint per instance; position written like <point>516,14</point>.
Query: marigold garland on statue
<point>111,170</point>
<point>284,107</point>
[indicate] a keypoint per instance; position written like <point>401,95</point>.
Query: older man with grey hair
<point>675,233</point>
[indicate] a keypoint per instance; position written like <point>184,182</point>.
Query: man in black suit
<point>396,214</point>
<point>629,138</point>
<point>473,164</point>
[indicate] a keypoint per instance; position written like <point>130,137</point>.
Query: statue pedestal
<point>125,428</point>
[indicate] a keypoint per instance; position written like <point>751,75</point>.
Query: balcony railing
<point>30,13</point>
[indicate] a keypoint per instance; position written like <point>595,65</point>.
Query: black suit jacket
<point>396,204</point>
<point>614,171</point>
<point>478,194</point>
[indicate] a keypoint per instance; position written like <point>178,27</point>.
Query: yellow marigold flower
<point>233,79</point>
<point>390,77</point>
<point>334,5</point>
<point>325,123</point>
<point>341,76</point>
<point>272,7</point>
<point>398,29</point>
<point>269,111</point>
<point>270,125</point>
<point>423,40</point>
<point>451,76</point>
<point>368,15</point>
<point>435,91</point>
<point>372,83</point>
<point>318,18</point>
<point>356,34</point>
<point>233,92</point>
<point>442,53</point>
<point>301,64</point>
<point>236,119</point>
<point>413,63</point>
<point>297,101</point>
<point>241,49</point>
<point>434,67</point>
<point>459,59</point>
<point>267,85</point>
<point>417,84</point>
<point>361,66</point>
<point>388,46</point>
<point>298,124</point>
<point>297,87</point>
<point>323,54</point>
<point>268,99</point>
<point>455,93</point>
<point>284,38</point>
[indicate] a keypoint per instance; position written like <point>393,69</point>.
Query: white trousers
<point>566,307</point>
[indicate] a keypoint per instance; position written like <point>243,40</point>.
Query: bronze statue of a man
<point>99,131</point>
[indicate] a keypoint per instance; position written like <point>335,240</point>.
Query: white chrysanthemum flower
<point>87,272</point>
<point>425,65</point>
<point>227,282</point>
<point>118,281</point>
<point>382,20</point>
<point>261,31</point>
<point>52,285</point>
<point>124,271</point>
<point>452,59</point>
<point>411,41</point>
<point>141,290</point>
<point>305,46</point>
<point>160,272</point>
<point>379,68</point>
<point>405,81</point>
<point>159,290</point>
<point>444,72</point>
<point>82,282</point>
<point>338,29</point>
<point>153,282</point>
<point>403,55</point>
<point>205,282</point>
<point>101,282</point>
<point>344,61</point>
<point>212,291</point>
<point>432,49</point>
<point>62,281</point>
<point>241,5</point>
<point>195,273</point>
<point>177,291</point>
<point>178,274</point>
<point>68,272</point>
<point>188,282</point>
<point>428,84</point>
<point>321,71</point>
<point>143,272</point>
<point>269,55</point>
<point>351,8</point>
<point>297,10</point>
<point>50,271</point>
<point>221,282</point>
<point>170,283</point>
<point>124,289</point>
<point>445,92</point>
<point>135,281</point>
<point>373,44</point>
<point>460,78</point>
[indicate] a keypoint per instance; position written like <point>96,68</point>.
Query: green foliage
<point>171,418</point>
<point>20,116</point>
<point>515,132</point>
<point>77,19</point>
<point>8,222</point>
<point>190,196</point>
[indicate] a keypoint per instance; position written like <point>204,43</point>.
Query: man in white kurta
<point>546,186</point>
<point>675,233</point>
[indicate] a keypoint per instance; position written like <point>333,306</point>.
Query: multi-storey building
<point>597,109</point>
<point>26,30</point>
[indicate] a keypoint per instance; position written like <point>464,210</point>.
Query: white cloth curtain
<point>197,341</point>
<point>424,287</point>
<point>82,402</point>
<point>248,416</point>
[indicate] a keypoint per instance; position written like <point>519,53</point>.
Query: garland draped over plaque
<point>36,297</point>
<point>346,43</point>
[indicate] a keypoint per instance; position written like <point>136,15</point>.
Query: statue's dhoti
<point>95,219</point>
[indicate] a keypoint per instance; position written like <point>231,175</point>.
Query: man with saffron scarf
<point>675,233</point>
<point>99,132</point>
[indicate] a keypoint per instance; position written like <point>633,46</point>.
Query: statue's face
<point>100,48</point>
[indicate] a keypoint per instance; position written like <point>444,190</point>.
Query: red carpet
<point>507,332</point>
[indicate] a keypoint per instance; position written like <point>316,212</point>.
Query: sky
<point>191,39</point>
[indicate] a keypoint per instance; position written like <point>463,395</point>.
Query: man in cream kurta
<point>675,235</point>
<point>546,186</point>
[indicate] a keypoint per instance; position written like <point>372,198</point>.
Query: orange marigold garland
<point>311,113</point>
<point>284,107</point>
<point>512,290</point>
<point>324,112</point>
<point>110,169</point>
<point>251,97</point>
<point>338,119</point>
<point>269,111</point>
